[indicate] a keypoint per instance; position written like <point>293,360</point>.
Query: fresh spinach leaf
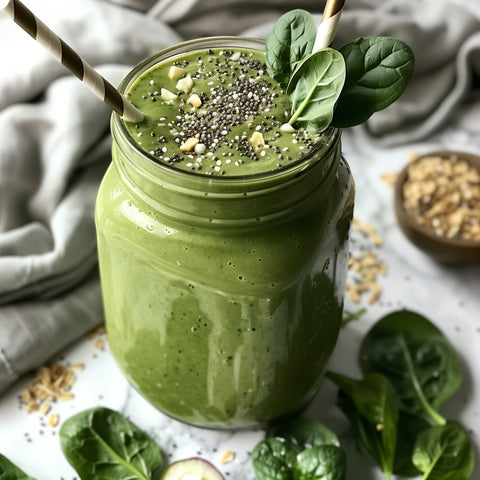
<point>370,405</point>
<point>444,453</point>
<point>291,40</point>
<point>314,88</point>
<point>377,72</point>
<point>304,432</point>
<point>9,471</point>
<point>409,426</point>
<point>416,357</point>
<point>101,443</point>
<point>321,462</point>
<point>273,459</point>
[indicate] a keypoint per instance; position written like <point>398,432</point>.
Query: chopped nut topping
<point>189,144</point>
<point>195,100</point>
<point>174,73</point>
<point>257,140</point>
<point>185,85</point>
<point>443,194</point>
<point>227,457</point>
<point>167,95</point>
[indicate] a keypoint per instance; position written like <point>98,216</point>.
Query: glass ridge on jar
<point>223,296</point>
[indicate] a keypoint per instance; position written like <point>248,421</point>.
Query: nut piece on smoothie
<point>189,144</point>
<point>192,469</point>
<point>174,73</point>
<point>195,100</point>
<point>185,85</point>
<point>167,95</point>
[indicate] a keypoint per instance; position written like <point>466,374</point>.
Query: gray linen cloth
<point>55,145</point>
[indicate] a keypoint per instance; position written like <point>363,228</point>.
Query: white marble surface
<point>449,296</point>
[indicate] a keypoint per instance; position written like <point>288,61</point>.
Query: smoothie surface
<point>216,112</point>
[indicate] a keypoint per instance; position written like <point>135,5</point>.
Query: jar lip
<point>330,135</point>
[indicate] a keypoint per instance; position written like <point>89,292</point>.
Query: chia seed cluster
<point>237,99</point>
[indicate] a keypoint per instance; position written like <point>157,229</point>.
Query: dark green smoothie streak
<point>255,337</point>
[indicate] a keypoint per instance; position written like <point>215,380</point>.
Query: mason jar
<point>223,296</point>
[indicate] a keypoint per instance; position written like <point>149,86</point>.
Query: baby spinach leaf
<point>101,443</point>
<point>291,40</point>
<point>273,459</point>
<point>322,462</point>
<point>9,471</point>
<point>305,433</point>
<point>409,426</point>
<point>370,405</point>
<point>314,88</point>
<point>416,357</point>
<point>377,72</point>
<point>444,453</point>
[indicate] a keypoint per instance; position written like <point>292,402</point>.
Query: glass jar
<point>223,295</point>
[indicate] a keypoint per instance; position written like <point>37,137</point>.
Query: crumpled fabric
<point>55,142</point>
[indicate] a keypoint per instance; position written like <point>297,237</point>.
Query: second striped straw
<point>21,15</point>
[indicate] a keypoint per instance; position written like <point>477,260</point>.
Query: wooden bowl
<point>443,249</point>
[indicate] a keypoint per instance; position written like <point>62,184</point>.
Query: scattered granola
<point>389,178</point>
<point>227,457</point>
<point>53,420</point>
<point>367,268</point>
<point>443,194</point>
<point>53,382</point>
<point>369,229</point>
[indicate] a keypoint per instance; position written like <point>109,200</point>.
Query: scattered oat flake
<point>53,420</point>
<point>389,179</point>
<point>227,457</point>
<point>45,408</point>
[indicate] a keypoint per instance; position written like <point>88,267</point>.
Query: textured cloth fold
<point>55,142</point>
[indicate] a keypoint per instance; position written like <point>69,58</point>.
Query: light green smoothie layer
<point>216,112</point>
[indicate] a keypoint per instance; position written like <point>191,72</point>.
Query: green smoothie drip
<point>216,112</point>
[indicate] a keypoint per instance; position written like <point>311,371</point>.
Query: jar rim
<point>119,128</point>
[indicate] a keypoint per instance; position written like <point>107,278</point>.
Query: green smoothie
<point>223,288</point>
<point>216,112</point>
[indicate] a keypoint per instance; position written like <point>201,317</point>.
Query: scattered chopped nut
<point>286,127</point>
<point>227,456</point>
<point>174,73</point>
<point>195,100</point>
<point>200,148</point>
<point>99,343</point>
<point>167,95</point>
<point>185,84</point>
<point>413,156</point>
<point>189,144</point>
<point>443,194</point>
<point>53,420</point>
<point>257,140</point>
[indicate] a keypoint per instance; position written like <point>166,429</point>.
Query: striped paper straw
<point>21,15</point>
<point>328,26</point>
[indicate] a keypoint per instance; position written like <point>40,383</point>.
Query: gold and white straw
<point>328,26</point>
<point>21,15</point>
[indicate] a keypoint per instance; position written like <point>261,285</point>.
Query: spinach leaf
<point>101,443</point>
<point>304,432</point>
<point>377,72</point>
<point>409,426</point>
<point>444,453</point>
<point>291,40</point>
<point>9,471</point>
<point>416,357</point>
<point>273,459</point>
<point>322,462</point>
<point>370,405</point>
<point>314,88</point>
